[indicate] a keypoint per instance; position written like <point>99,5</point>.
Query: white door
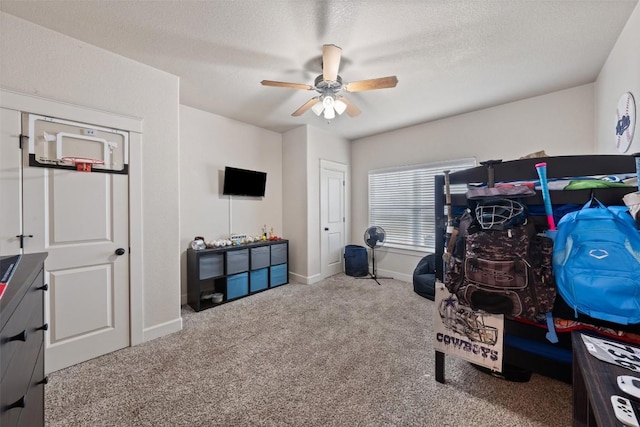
<point>81,220</point>
<point>332,217</point>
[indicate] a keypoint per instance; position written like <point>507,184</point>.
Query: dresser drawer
<point>22,346</point>
<point>19,370</point>
<point>32,396</point>
<point>33,412</point>
<point>27,318</point>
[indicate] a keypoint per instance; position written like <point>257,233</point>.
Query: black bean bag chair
<point>424,277</point>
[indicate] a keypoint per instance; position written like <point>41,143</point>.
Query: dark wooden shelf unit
<point>235,271</point>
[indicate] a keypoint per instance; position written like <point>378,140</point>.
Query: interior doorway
<point>332,216</point>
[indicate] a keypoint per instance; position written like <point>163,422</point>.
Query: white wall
<point>304,147</point>
<point>294,185</point>
<point>322,145</point>
<point>37,61</point>
<point>560,123</point>
<point>620,74</point>
<point>208,144</point>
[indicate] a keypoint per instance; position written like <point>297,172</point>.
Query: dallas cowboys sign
<point>474,336</point>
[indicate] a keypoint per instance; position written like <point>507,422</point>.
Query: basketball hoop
<point>83,164</point>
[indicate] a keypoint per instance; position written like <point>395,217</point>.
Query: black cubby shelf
<point>235,271</point>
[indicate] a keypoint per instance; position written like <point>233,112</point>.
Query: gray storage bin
<point>211,265</point>
<point>278,253</point>
<point>237,261</point>
<point>260,257</point>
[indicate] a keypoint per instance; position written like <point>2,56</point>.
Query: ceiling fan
<point>329,85</point>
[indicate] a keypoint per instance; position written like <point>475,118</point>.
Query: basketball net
<point>83,164</point>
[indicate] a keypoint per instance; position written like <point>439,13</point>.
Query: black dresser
<point>22,345</point>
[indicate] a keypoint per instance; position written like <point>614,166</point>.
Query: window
<point>401,201</point>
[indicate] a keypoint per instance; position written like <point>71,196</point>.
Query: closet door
<point>82,220</point>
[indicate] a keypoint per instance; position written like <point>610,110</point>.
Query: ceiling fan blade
<point>310,103</point>
<point>351,110</point>
<point>330,61</point>
<point>287,85</point>
<point>379,83</point>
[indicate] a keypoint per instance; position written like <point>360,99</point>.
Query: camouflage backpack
<point>504,269</point>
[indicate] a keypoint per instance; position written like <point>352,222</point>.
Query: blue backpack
<point>596,263</point>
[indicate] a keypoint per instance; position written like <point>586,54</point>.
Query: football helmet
<point>464,321</point>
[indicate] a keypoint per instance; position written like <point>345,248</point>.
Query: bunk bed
<point>525,344</point>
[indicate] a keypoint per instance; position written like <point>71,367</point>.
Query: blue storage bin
<point>278,275</point>
<point>259,279</point>
<point>237,286</point>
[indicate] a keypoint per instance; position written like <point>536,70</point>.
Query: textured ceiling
<point>450,57</point>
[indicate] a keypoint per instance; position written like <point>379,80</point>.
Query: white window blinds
<point>401,201</point>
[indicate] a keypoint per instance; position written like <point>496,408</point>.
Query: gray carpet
<point>342,352</point>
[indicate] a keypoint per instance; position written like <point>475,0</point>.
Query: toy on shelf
<point>198,243</point>
<point>235,239</point>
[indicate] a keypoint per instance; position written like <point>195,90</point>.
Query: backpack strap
<point>551,335</point>
<point>590,202</point>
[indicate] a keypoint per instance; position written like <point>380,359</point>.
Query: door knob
<point>120,251</point>
<point>326,229</point>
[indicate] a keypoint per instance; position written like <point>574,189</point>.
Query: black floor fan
<point>374,237</point>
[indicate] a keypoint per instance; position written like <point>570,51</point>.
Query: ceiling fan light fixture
<point>328,101</point>
<point>339,106</point>
<point>317,108</point>
<point>329,84</point>
<point>329,113</point>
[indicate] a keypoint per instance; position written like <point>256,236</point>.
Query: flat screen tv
<point>244,182</point>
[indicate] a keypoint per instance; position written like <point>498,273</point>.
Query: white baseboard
<point>309,280</point>
<point>394,274</point>
<point>162,329</point>
<point>305,280</point>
